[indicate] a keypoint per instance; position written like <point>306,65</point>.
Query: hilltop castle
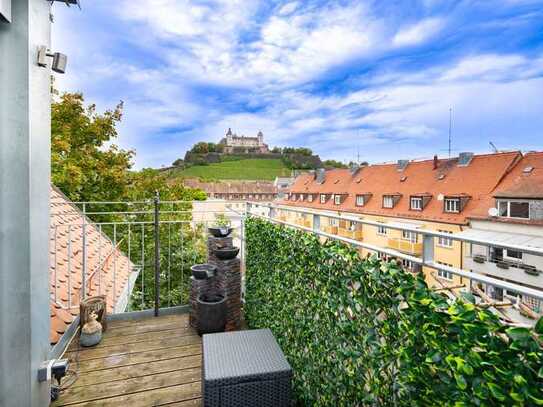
<point>241,144</point>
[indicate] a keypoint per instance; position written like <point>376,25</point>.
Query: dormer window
<point>323,198</point>
<point>452,205</point>
<point>337,199</point>
<point>416,203</point>
<point>360,200</point>
<point>419,202</point>
<point>514,209</point>
<point>310,198</point>
<point>390,200</point>
<point>301,197</point>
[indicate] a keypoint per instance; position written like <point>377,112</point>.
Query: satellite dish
<point>492,212</point>
<point>440,197</point>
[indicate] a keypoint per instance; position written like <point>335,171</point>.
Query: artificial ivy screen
<point>364,332</point>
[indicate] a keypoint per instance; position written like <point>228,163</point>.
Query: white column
<point>24,204</point>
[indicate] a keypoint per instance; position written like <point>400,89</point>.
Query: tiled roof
<point>525,180</point>
<point>233,187</point>
<point>475,181</point>
<point>65,248</point>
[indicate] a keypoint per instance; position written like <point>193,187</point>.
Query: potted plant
<point>221,227</point>
<point>203,271</point>
<point>479,258</point>
<point>531,270</point>
<point>211,313</point>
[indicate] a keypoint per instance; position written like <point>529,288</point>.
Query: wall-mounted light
<point>59,60</point>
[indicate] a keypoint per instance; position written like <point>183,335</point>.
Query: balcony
<point>350,234</point>
<point>306,223</point>
<point>332,230</point>
<point>144,360</point>
<point>140,362</point>
<point>405,246</point>
<point>508,270</point>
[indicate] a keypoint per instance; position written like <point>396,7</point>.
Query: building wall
<point>448,255</point>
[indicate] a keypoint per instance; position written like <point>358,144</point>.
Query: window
<point>333,222</point>
<point>360,200</point>
<point>388,201</point>
<point>411,236</point>
<point>323,198</point>
<point>301,197</point>
<point>407,264</point>
<point>445,274</point>
<point>514,209</point>
<point>512,254</point>
<point>337,199</point>
<point>381,230</point>
<point>444,241</point>
<point>452,205</point>
<point>416,203</point>
<point>310,198</point>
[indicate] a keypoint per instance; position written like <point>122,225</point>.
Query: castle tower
<point>260,137</point>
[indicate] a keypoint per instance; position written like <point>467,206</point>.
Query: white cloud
<point>418,33</point>
<point>288,8</point>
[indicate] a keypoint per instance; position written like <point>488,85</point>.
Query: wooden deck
<point>147,362</point>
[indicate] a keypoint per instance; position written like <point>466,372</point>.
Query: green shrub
<point>364,332</point>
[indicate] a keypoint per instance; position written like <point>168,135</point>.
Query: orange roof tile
<point>66,264</point>
<point>525,180</point>
<point>475,181</point>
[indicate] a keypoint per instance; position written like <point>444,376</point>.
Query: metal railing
<point>427,241</point>
<point>138,254</point>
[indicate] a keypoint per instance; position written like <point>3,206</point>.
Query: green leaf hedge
<point>364,332</point>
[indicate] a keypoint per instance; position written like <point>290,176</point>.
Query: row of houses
<point>242,190</point>
<point>497,196</point>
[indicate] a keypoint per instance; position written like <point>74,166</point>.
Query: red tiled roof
<point>233,187</point>
<point>66,221</point>
<point>525,180</point>
<point>477,180</point>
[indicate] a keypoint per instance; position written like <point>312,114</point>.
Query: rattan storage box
<point>244,368</point>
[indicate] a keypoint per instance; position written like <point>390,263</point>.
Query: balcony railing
<point>405,246</point>
<point>350,234</point>
<point>420,253</point>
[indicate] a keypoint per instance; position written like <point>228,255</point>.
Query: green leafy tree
<point>84,165</point>
<point>334,164</point>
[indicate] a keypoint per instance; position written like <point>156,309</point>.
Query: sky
<point>378,79</point>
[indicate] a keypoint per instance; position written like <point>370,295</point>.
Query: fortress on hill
<point>241,144</point>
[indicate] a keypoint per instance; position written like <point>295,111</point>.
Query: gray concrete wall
<point>24,204</point>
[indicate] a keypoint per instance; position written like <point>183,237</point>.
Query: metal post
<point>157,253</point>
<point>84,254</point>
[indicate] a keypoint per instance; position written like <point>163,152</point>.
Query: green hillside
<point>249,169</point>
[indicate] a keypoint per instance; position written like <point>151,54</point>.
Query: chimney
<point>354,168</point>
<point>435,162</point>
<point>402,164</point>
<point>464,159</point>
<point>320,175</point>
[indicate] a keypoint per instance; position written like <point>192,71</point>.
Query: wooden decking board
<point>137,370</point>
<point>114,350</point>
<point>129,386</point>
<point>109,341</point>
<point>164,319</point>
<point>135,358</point>
<point>155,361</point>
<point>197,402</point>
<point>140,329</point>
<point>157,397</point>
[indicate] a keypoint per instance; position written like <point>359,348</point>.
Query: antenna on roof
<point>493,146</point>
<point>358,155</point>
<point>450,127</point>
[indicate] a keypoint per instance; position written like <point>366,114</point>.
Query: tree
<point>334,164</point>
<point>200,148</point>
<point>178,163</point>
<point>81,164</point>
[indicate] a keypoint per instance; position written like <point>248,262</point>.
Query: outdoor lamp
<point>59,60</point>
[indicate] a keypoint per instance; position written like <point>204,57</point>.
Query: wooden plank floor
<point>147,362</point>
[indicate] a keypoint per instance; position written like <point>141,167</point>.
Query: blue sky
<point>339,77</point>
